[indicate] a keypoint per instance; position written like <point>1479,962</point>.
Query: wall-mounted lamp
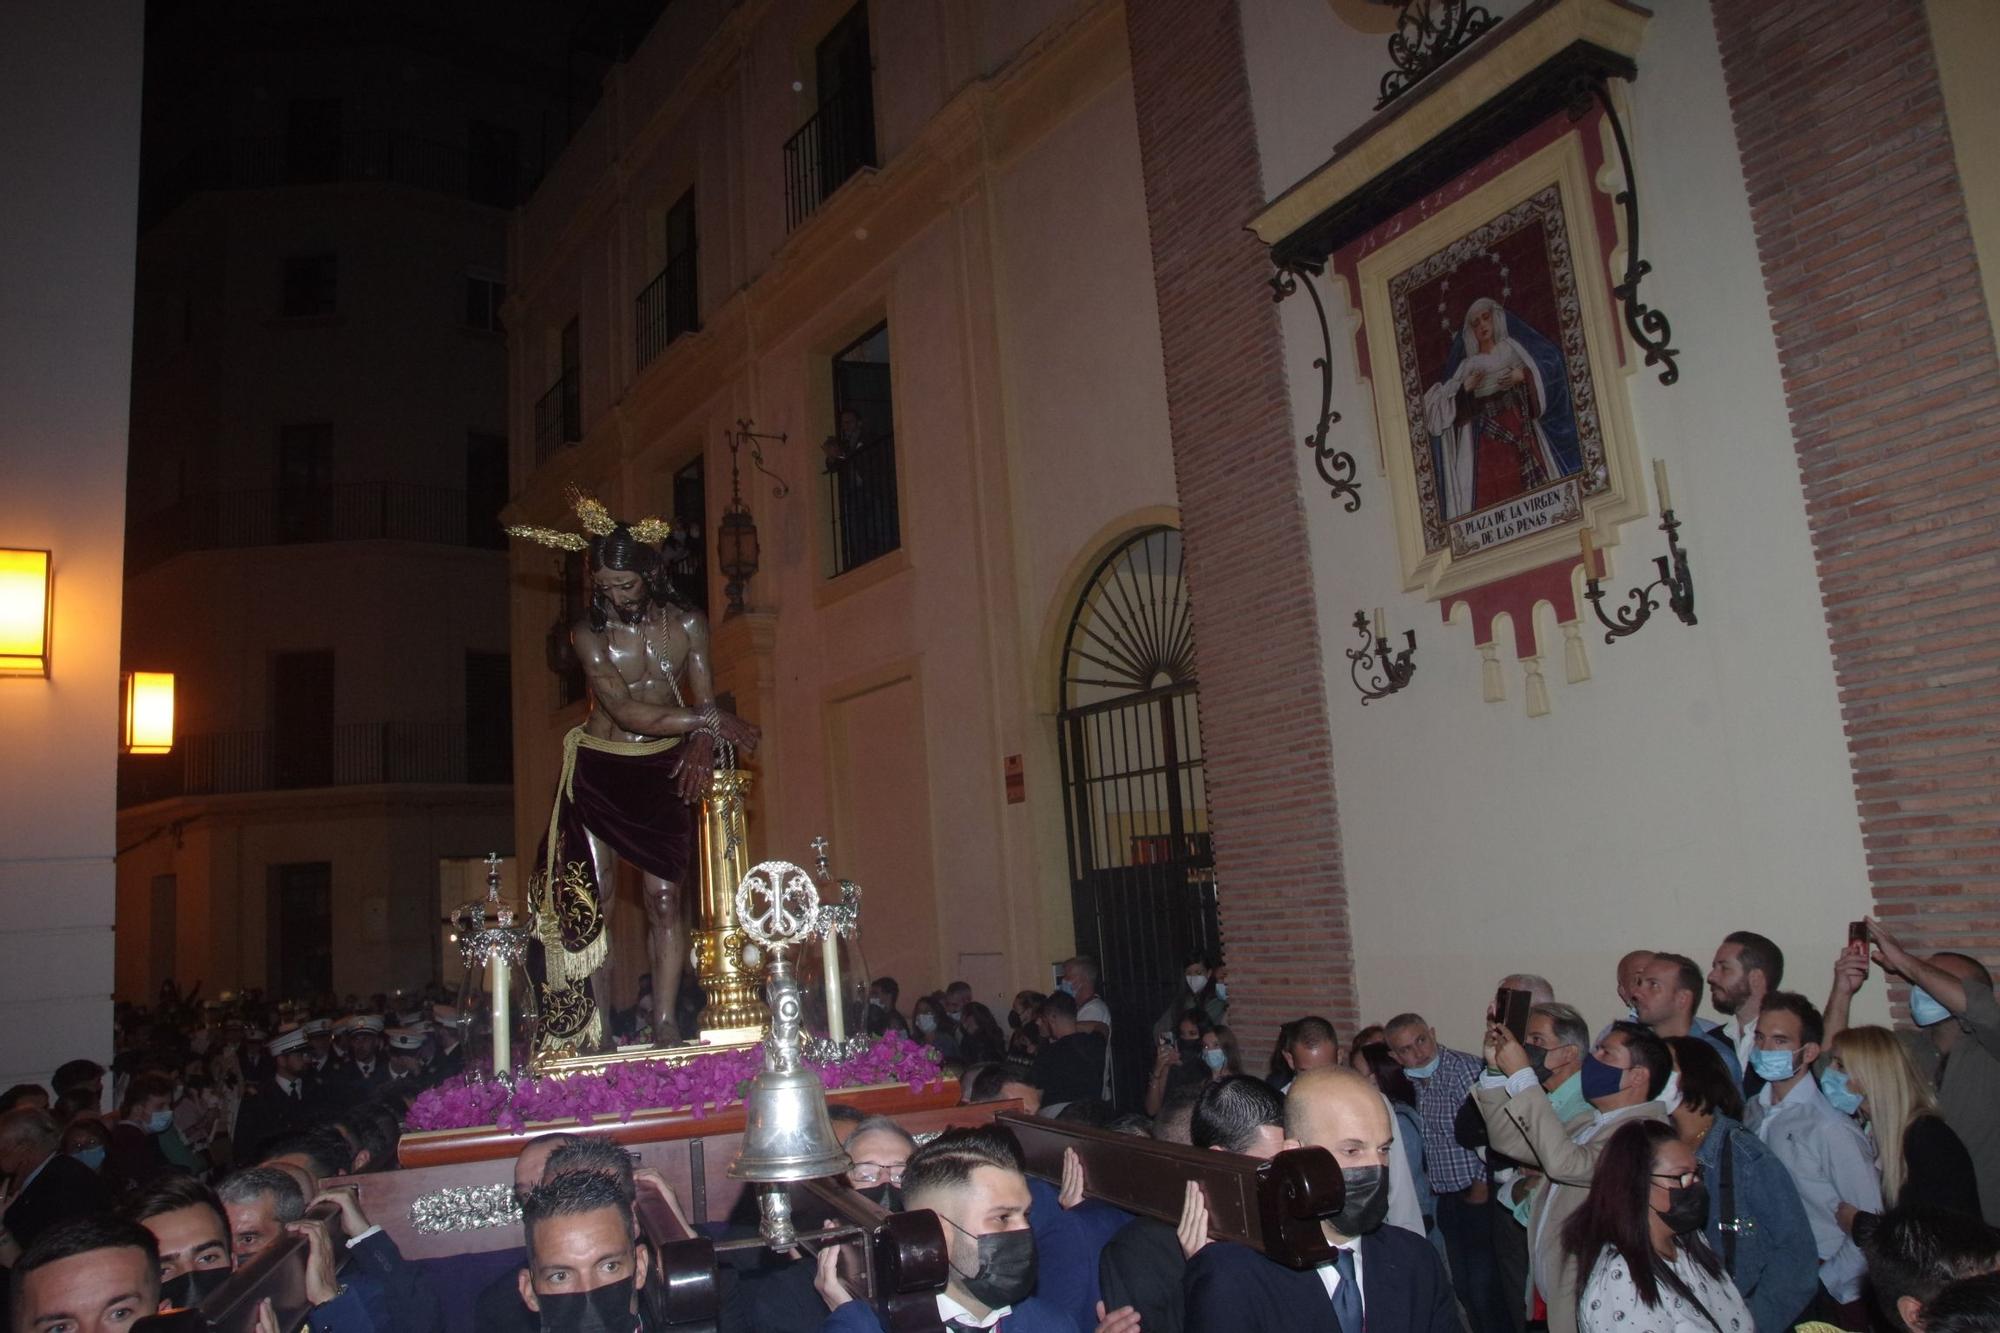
<point>27,593</point>
<point>149,712</point>
<point>737,549</point>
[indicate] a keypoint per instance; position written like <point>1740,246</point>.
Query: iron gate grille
<point>1142,874</point>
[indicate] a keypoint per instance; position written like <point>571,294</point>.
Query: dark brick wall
<point>1263,703</point>
<point>1890,376</point>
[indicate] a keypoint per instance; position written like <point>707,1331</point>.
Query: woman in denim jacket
<point>1768,1246</point>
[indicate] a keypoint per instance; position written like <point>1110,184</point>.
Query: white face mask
<point>1198,983</point>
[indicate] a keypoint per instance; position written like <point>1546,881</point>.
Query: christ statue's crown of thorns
<point>596,521</point>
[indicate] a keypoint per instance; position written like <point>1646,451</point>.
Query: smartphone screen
<point>1510,1007</point>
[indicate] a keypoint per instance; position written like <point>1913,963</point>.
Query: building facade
<point>319,459</point>
<point>1049,631</point>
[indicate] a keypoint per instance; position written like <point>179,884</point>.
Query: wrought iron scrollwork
<point>1336,466</point>
<point>1428,33</point>
<point>1648,328</point>
<point>1675,580</point>
<point>1387,673</point>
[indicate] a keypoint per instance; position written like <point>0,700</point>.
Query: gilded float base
<point>562,1066</point>
<point>735,1003</point>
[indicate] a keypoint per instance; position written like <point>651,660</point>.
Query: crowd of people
<point>1775,1167</point>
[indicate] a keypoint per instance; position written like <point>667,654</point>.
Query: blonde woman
<point>1921,1158</point>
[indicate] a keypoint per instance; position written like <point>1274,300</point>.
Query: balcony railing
<point>369,511</point>
<point>350,754</point>
<point>558,417</point>
<point>863,490</point>
<point>668,307</point>
<point>837,142</point>
<point>387,156</point>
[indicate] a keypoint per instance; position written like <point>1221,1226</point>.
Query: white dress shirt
<point>1329,1276</point>
<point>1742,1033</point>
<point>950,1311</point>
<point>1095,1010</point>
<point>1831,1162</point>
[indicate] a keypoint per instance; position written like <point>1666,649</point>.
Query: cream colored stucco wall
<point>1027,441</point>
<point>69,131</point>
<point>1698,782</point>
<point>1966,35</point>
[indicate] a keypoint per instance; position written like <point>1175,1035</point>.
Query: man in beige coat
<point>1623,1078</point>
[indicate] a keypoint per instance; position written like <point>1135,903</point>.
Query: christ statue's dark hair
<point>620,550</point>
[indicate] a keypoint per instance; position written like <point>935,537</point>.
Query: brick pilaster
<point>1263,704</point>
<point>1891,378</point>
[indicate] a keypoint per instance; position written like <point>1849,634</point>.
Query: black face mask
<point>1687,1208</point>
<point>608,1309</point>
<point>193,1287</point>
<point>1006,1273</point>
<point>886,1196</point>
<point>1366,1204</point>
<point>1190,1050</point>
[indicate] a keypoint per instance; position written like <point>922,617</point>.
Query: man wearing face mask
<point>585,1266</point>
<point>186,1219</point>
<point>144,1114</point>
<point>1382,1278</point>
<point>1620,1080</point>
<point>972,1179</point>
<point>1952,1003</point>
<point>1827,1153</point>
<point>880,1150</point>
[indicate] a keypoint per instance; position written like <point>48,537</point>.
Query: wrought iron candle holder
<point>1386,674</point>
<point>1675,580</point>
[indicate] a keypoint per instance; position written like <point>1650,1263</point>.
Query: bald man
<point>1952,1001</point>
<point>1383,1275</point>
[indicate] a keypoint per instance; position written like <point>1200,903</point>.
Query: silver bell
<point>786,1134</point>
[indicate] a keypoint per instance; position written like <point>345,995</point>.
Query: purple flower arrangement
<point>617,1093</point>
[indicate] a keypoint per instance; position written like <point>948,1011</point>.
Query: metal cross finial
<point>819,846</point>
<point>493,877</point>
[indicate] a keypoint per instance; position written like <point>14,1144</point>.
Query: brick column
<point>1890,374</point>
<point>1263,702</point>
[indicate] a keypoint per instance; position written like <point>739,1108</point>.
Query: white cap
<point>316,1027</point>
<point>405,1039</point>
<point>445,1013</point>
<point>291,1040</point>
<point>368,1023</point>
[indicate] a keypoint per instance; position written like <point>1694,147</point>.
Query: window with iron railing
<point>667,307</point>
<point>861,454</point>
<point>839,140</point>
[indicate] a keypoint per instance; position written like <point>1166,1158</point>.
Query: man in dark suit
<point>44,1186</point>
<point>278,1104</point>
<point>1069,1066</point>
<point>366,1071</point>
<point>1392,1276</point>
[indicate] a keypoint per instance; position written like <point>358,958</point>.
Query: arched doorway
<point>1142,874</point>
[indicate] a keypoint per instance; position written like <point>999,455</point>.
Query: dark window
<point>485,490</point>
<point>492,164</point>
<point>305,482</point>
<point>839,140</point>
<point>559,412</point>
<point>300,953</point>
<point>861,454</point>
<point>312,139</point>
<point>483,299</point>
<point>302,719</point>
<point>312,284</point>
<point>489,718</point>
<point>669,305</point>
<point>690,569</point>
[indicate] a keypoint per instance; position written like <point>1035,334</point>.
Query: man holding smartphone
<point>1952,1002</point>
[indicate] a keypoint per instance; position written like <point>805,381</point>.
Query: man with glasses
<point>879,1148</point>
<point>1620,1079</point>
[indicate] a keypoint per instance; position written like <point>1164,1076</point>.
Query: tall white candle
<point>503,1022</point>
<point>1660,484</point>
<point>836,1012</point>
